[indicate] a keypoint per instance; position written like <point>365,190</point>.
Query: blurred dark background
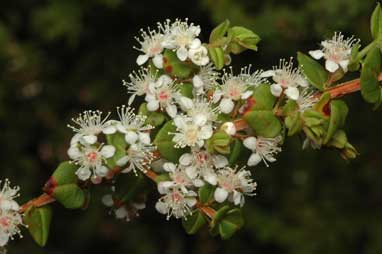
<point>58,58</point>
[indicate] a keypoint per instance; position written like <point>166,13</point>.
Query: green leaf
<point>217,56</point>
<point>186,90</point>
<point>263,98</point>
<point>227,222</point>
<point>339,111</point>
<point>219,31</point>
<point>65,173</point>
<point>376,22</point>
<point>235,152</point>
<point>242,39</point>
<point>293,123</point>
<point>219,142</point>
<point>231,223</point>
<point>38,220</point>
<point>69,195</point>
<point>175,67</point>
<point>264,123</point>
<point>313,71</point>
<point>165,145</point>
<point>194,222</point>
<point>206,193</point>
<point>370,89</point>
<point>118,141</point>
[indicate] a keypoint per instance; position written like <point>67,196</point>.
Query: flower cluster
<point>91,155</point>
<point>179,36</point>
<point>10,218</point>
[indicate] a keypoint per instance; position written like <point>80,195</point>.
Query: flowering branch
<point>200,129</point>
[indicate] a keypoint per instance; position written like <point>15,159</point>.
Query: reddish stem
<point>42,200</point>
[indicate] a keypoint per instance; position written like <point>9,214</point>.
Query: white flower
<point>176,202</point>
<point>203,112</point>
<point>178,178</point>
<point>336,51</point>
<point>90,124</point>
<point>189,133</point>
<point>10,218</point>
<point>133,126</point>
<point>307,99</point>
<point>138,157</point>
<point>233,88</point>
<point>91,160</point>
<point>10,221</point>
<point>205,79</point>
<point>250,78</point>
<point>201,165</point>
<point>199,56</point>
<point>163,96</point>
<point>263,149</point>
<point>233,184</point>
<point>151,47</point>
<point>7,196</point>
<point>181,36</point>
<point>286,79</point>
<point>140,83</point>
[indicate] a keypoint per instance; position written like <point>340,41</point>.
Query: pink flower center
<point>176,197</point>
<point>4,222</point>
<point>92,156</point>
<point>163,95</point>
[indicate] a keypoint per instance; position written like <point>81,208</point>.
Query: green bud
<point>376,22</point>
<point>219,142</point>
<point>219,31</point>
<point>242,39</point>
<point>70,196</point>
<point>217,56</point>
<point>38,220</point>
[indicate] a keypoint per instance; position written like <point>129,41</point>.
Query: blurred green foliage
<point>58,58</point>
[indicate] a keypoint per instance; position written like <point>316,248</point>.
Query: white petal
<point>164,186</point>
<point>226,105</point>
<point>153,105</point>
<point>122,161</point>
<point>90,139</point>
<point>292,93</point>
<point>192,172</point>
<point>144,138</point>
<point>131,137</point>
<point>121,213</point>
<point>331,66</point>
<point>185,159</point>
<point>211,178</point>
<point>179,121</point>
<point>191,202</point>
<point>141,59</point>
<point>220,161</point>
<point>198,183</point>
<point>107,200</point>
<point>74,152</point>
<point>197,81</point>
<point>237,196</point>
<point>186,103</point>
<point>75,139</point>
<point>216,96</point>
<point>83,173</point>
<point>344,65</point>
<point>246,95</point>
<point>4,238</point>
<point>169,167</point>
<point>171,110</point>
<point>267,74</point>
<point>109,130</point>
<point>182,54</point>
<point>101,171</point>
<point>163,80</point>
<point>161,207</point>
<point>200,119</point>
<point>276,90</point>
<point>316,54</point>
<point>108,151</point>
<point>206,132</point>
<point>229,128</point>
<point>250,143</point>
<point>158,61</point>
<point>220,195</point>
<point>254,159</point>
<point>196,43</point>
